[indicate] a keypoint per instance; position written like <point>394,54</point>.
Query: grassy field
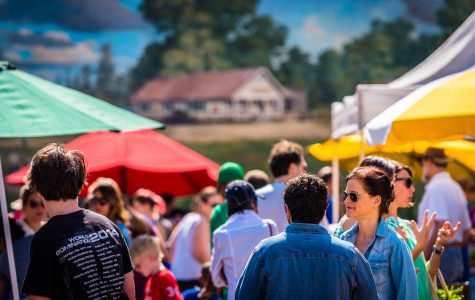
<point>251,154</point>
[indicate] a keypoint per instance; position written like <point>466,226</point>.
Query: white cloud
<point>59,36</point>
<point>311,30</point>
<point>24,32</point>
<point>80,53</point>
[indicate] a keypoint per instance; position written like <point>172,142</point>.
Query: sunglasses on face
<point>35,203</point>
<point>100,201</point>
<point>407,181</point>
<point>353,196</point>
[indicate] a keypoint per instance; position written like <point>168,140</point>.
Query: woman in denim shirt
<point>368,194</point>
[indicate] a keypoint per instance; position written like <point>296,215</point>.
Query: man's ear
<point>287,212</point>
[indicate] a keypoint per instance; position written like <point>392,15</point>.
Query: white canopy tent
<point>455,55</point>
<point>350,115</point>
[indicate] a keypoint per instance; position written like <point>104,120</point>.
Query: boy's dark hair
<point>375,182</point>
<point>56,173</point>
<point>306,198</point>
<point>282,155</point>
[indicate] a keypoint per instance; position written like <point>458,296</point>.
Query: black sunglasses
<point>35,203</point>
<point>101,201</point>
<point>353,196</point>
<point>408,182</point>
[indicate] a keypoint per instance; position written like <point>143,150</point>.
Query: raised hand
<point>422,233</point>
<point>446,233</point>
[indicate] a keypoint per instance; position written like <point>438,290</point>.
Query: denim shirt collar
<point>305,228</point>
<point>381,231</point>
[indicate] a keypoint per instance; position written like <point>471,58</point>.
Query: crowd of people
<point>247,238</point>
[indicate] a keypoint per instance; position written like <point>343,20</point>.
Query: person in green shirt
<point>228,172</point>
<point>415,236</point>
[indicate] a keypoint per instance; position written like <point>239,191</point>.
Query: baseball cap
<point>239,192</point>
<point>228,172</point>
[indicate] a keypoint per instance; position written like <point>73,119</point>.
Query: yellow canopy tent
<point>444,108</point>
<point>348,149</point>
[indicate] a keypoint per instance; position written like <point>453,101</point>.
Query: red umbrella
<point>141,159</point>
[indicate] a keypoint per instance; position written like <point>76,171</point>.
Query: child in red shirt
<point>147,257</point>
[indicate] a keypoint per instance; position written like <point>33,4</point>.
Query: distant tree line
<point>214,35</point>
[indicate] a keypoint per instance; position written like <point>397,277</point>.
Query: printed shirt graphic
<point>81,255</point>
<point>163,286</point>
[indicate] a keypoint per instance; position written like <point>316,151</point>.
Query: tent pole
<point>335,189</point>
<point>8,237</point>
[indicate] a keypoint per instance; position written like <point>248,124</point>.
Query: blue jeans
<point>451,264</point>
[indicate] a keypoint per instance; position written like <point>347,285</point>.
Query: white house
<point>234,95</point>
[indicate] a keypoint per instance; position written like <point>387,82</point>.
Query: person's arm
<point>433,238</point>
<point>217,265</point>
<point>253,281</point>
<point>403,273</point>
<point>129,285</point>
<point>201,242</point>
<point>444,235</point>
<point>365,286</point>
<point>171,243</point>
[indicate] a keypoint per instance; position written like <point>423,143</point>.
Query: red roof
<point>197,86</point>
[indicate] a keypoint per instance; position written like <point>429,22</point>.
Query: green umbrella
<point>34,107</point>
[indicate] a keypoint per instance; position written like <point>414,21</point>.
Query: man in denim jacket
<point>304,261</point>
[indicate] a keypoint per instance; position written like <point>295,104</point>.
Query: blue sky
<point>44,39</point>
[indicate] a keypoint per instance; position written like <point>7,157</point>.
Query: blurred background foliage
<point>208,35</point>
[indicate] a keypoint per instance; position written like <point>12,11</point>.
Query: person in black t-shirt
<point>77,254</point>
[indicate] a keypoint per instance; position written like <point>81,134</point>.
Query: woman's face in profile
<point>358,202</point>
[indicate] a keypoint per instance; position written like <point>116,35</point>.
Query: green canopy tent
<point>34,107</point>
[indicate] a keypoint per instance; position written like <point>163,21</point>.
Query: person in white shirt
<point>286,161</point>
<point>234,240</point>
<point>444,196</point>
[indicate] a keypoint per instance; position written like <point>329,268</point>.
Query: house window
<point>260,105</point>
<point>144,106</point>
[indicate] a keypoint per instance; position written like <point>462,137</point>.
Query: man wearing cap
<point>234,240</point>
<point>228,172</point>
<point>305,262</point>
<point>444,196</point>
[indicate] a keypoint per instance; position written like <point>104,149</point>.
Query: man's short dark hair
<point>56,173</point>
<point>282,155</point>
<point>306,198</point>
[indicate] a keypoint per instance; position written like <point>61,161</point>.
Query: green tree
<point>105,73</point>
<point>453,14</point>
<point>206,35</point>
<point>148,66</point>
<point>196,50</point>
<point>329,85</point>
<point>85,82</point>
<point>256,41</point>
